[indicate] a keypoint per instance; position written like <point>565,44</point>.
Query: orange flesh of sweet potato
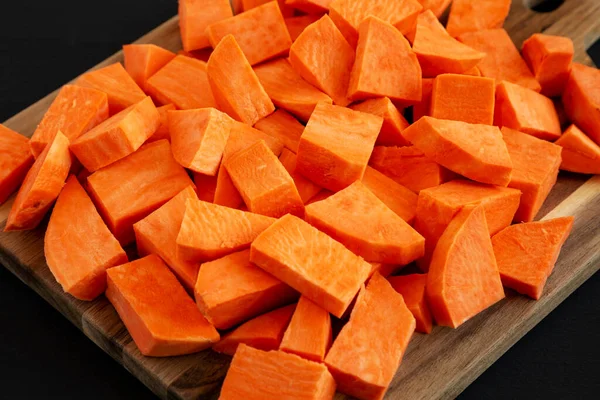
<point>160,316</point>
<point>579,152</point>
<point>162,132</point>
<point>581,99</point>
<point>15,161</point>
<point>306,189</point>
<point>393,121</point>
<point>476,15</point>
<point>297,25</point>
<point>284,127</point>
<point>398,198</point>
<point>436,6</point>
<point>195,16</point>
<point>377,334</point>
<point>412,289</point>
<point>144,60</point>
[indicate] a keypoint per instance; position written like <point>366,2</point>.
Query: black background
<point>44,44</point>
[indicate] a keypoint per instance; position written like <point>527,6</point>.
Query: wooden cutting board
<point>436,366</point>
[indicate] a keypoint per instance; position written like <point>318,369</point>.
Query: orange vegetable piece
<point>127,190</point>
<point>310,6</point>
<point>144,60</point>
<point>438,205</point>
<point>15,161</point>
<point>458,288</point>
<point>348,14</point>
<point>263,24</point>
<point>236,88</point>
<point>423,107</point>
<point>398,198</point>
<point>297,25</point>
<point>79,262</point>
<point>472,150</point>
<point>309,332</point>
<point>502,60</point>
<point>118,136</point>
<point>182,82</point>
<point>322,57</point>
<point>463,98</point>
<point>379,72</point>
<point>160,316</point>
<point>209,231</point>
<point>440,53</point>
<point>195,16</point>
<point>286,11</point>
<point>436,6</point>
<point>41,185</point>
<point>549,58</point>
<point>360,221</point>
<point>120,88</point>
<point>393,120</point>
<point>527,111</point>
<point>306,189</point>
<point>295,252</point>
<point>231,290</point>
<point>336,145</point>
<point>257,375</point>
<point>74,111</point>
<point>157,234</point>
<point>206,186</point>
<point>284,127</point>
<point>476,15</point>
<point>526,253</point>
<point>412,289</point>
<point>409,167</point>
<point>263,332</point>
<point>377,334</point>
<point>198,138</point>
<point>288,90</point>
<point>536,163</point>
<point>579,152</point>
<point>264,183</point>
<point>162,132</point>
<point>581,99</point>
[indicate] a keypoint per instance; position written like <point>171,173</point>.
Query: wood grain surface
<point>436,366</point>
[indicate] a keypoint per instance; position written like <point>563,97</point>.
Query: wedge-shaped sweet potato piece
<point>195,16</point>
<point>423,107</point>
<point>385,65</point>
<point>463,278</point>
<point>297,25</point>
<point>260,32</point>
<point>288,90</point>
<point>393,120</point>
<point>463,98</point>
<point>41,185</point>
<point>284,127</point>
<point>309,332</point>
<point>377,334</point>
<point>74,111</point>
<point>144,60</point>
<point>120,88</point>
<point>579,152</point>
<point>364,224</point>
<point>162,132</point>
<point>263,332</point>
<point>231,290</point>
<point>412,289</point>
<point>527,111</point>
<point>476,15</point>
<point>157,234</point>
<point>235,86</point>
<point>198,138</point>
<point>581,98</point>
<point>306,188</point>
<point>264,183</point>
<point>118,136</point>
<point>258,375</point>
<point>209,231</point>
<point>472,150</point>
<point>409,167</point>
<point>535,169</point>
<point>322,57</point>
<point>398,198</point>
<point>348,14</point>
<point>79,261</point>
<point>549,58</point>
<point>16,161</point>
<point>440,53</point>
<point>438,205</point>
<point>526,253</point>
<point>303,257</point>
<point>437,7</point>
<point>127,190</point>
<point>336,145</point>
<point>502,60</point>
<point>160,316</point>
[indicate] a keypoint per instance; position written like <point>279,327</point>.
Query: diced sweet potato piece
<point>284,127</point>
<point>16,161</point>
<point>476,15</point>
<point>393,121</point>
<point>579,152</point>
<point>195,16</point>
<point>144,60</point>
<point>412,289</point>
<point>306,189</point>
<point>549,58</point>
<point>398,198</point>
<point>581,98</point>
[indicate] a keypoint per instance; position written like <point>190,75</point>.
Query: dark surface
<point>43,356</point>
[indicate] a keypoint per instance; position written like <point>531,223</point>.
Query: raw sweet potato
<point>15,161</point>
<point>476,15</point>
<point>412,289</point>
<point>297,25</point>
<point>284,127</point>
<point>195,16</point>
<point>581,98</point>
<point>549,58</point>
<point>398,198</point>
<point>144,60</point>
<point>393,121</point>
<point>162,132</point>
<point>579,152</point>
<point>306,189</point>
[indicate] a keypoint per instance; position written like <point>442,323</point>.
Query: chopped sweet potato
<point>393,121</point>
<point>398,198</point>
<point>284,127</point>
<point>476,15</point>
<point>144,60</point>
<point>195,16</point>
<point>579,152</point>
<point>412,289</point>
<point>306,188</point>
<point>549,58</point>
<point>16,161</point>
<point>581,99</point>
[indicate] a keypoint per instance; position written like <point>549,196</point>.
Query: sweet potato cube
<point>393,121</point>
<point>195,16</point>
<point>144,60</point>
<point>476,15</point>
<point>579,152</point>
<point>549,58</point>
<point>284,127</point>
<point>581,99</point>
<point>398,198</point>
